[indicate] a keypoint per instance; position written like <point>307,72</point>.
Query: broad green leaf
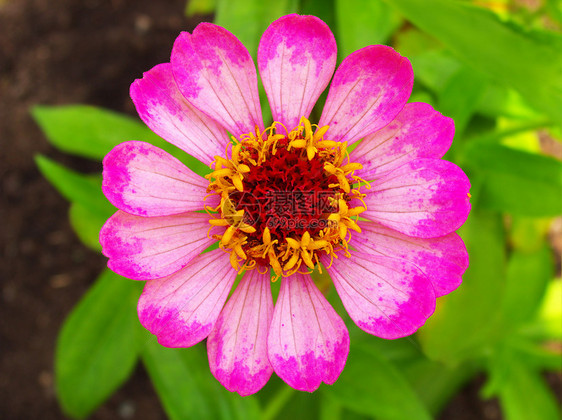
<point>465,321</point>
<point>460,96</point>
<point>88,131</point>
<point>98,345</point>
<point>517,182</point>
<point>434,68</point>
<point>76,187</point>
<point>522,392</point>
<point>528,274</point>
<point>478,37</point>
<point>87,225</point>
<point>371,385</point>
<point>187,389</point>
<point>248,19</point>
<point>92,132</point>
<point>363,22</point>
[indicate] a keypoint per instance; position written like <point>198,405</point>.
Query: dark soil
<point>68,51</point>
<point>72,51</point>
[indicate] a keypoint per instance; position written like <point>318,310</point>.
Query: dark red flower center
<point>284,199</point>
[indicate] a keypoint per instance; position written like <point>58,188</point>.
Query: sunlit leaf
<point>481,40</point>
<point>550,312</point>
<point>498,100</point>
<point>98,345</point>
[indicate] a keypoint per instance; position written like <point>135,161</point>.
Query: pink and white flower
<point>384,229</point>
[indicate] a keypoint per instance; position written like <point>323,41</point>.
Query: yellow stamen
<point>294,254</point>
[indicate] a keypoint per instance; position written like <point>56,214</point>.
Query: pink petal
<point>146,181</point>
<point>237,346</point>
<point>386,297</point>
<point>182,309</point>
<point>164,109</point>
<point>443,260</point>
<point>296,59</point>
<point>370,87</point>
<point>215,72</point>
<point>424,198</point>
<point>417,132</point>
<point>308,342</point>
<point>144,248</point>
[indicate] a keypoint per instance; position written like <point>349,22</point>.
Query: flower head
<point>284,200</point>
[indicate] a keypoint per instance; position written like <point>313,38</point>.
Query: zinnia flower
<point>284,200</point>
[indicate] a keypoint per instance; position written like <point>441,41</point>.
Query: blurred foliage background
<point>493,66</point>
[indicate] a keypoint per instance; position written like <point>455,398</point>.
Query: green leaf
<point>187,389</point>
<point>522,392</point>
<point>88,131</point>
<point>92,132</point>
<point>517,182</point>
<point>75,187</point>
<point>460,96</point>
<point>98,345</point>
<point>248,19</point>
<point>363,22</point>
<point>371,385</point>
<point>434,68</point>
<point>481,40</point>
<point>465,322</point>
<point>87,225</point>
<point>528,274</point>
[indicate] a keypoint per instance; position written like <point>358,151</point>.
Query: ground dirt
<point>64,52</point>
